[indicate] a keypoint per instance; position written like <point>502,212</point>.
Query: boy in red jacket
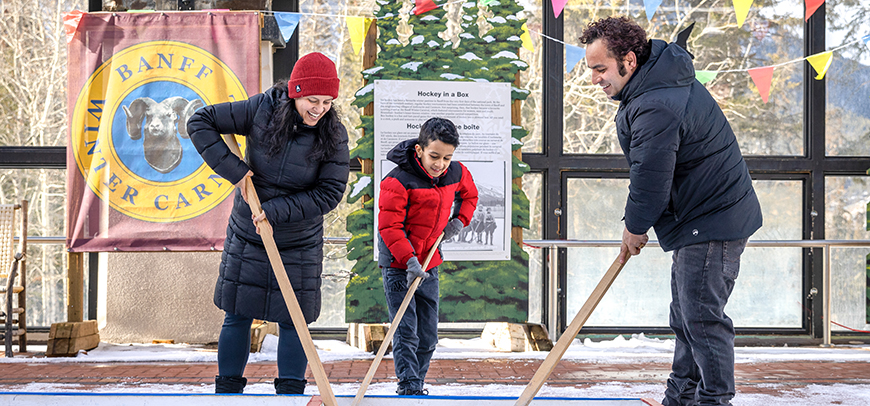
<point>414,209</point>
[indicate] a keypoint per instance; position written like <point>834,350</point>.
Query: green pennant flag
<point>705,76</point>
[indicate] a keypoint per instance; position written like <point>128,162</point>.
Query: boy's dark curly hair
<point>438,129</point>
<point>621,35</point>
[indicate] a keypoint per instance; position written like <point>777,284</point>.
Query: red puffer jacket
<point>414,207</point>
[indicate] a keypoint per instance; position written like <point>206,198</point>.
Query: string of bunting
<point>358,26</point>
<point>741,8</point>
<point>761,76</point>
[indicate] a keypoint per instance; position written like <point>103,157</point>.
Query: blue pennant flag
<point>573,54</point>
<point>287,23</point>
<point>866,38</point>
<point>651,6</point>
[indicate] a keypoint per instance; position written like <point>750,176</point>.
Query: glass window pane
<point>533,187</point>
<point>847,111</point>
<point>751,304</point>
<point>336,266</point>
<point>47,284</point>
<point>322,29</point>
<point>33,80</point>
<point>530,79</point>
<point>846,219</point>
<point>45,191</point>
<point>772,34</point>
<point>595,209</point>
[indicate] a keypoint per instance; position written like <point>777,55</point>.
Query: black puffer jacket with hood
<point>295,194</point>
<point>688,178</point>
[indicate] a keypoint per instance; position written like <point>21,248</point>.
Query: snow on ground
<point>635,349</point>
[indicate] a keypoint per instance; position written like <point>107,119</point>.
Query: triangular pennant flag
<point>485,2</point>
<point>527,39</point>
<point>741,8</point>
<point>705,76</point>
<point>866,39</point>
<point>423,6</point>
<point>558,6</point>
<point>71,22</point>
<point>812,6</point>
<point>573,54</point>
<point>762,77</point>
<point>651,6</point>
<point>287,23</point>
<point>357,27</point>
<point>821,62</point>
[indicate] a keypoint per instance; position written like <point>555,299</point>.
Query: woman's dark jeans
<point>417,334</point>
<point>234,345</point>
<point>702,277</point>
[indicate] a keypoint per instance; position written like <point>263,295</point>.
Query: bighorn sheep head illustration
<point>164,122</point>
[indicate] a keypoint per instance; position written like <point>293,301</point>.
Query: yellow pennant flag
<point>527,39</point>
<point>358,27</point>
<point>821,62</point>
<point>741,8</point>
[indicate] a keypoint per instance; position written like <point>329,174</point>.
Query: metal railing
<point>62,240</point>
<point>553,288</point>
<point>552,246</point>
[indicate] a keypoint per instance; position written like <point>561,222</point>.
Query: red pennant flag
<point>812,6</point>
<point>71,23</point>
<point>762,77</point>
<point>423,6</point>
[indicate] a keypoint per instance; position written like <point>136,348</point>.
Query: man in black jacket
<point>688,181</point>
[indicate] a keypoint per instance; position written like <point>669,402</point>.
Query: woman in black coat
<point>297,157</point>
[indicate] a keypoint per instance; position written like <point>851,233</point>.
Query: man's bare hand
<point>631,244</point>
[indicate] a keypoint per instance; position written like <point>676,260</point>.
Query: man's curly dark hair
<point>621,36</point>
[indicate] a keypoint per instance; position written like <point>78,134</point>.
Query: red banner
<point>134,179</point>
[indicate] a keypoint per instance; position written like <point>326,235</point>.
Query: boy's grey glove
<point>415,270</point>
<point>452,229</point>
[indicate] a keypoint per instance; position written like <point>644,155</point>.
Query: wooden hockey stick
<point>394,325</point>
<point>286,288</point>
<point>570,333</point>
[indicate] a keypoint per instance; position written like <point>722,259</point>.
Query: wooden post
<point>76,287</point>
<point>370,55</point>
<point>517,119</point>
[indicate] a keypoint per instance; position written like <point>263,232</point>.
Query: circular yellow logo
<point>129,130</point>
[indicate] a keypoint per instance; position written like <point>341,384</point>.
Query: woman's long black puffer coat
<point>295,194</point>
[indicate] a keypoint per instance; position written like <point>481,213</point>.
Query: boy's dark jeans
<point>702,277</point>
<point>417,333</point>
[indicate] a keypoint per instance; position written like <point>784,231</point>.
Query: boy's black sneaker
<point>412,392</point>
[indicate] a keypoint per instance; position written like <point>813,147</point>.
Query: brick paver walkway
<point>768,377</point>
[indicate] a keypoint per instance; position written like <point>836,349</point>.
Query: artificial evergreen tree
<point>470,290</point>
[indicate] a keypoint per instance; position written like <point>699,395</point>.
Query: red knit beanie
<point>313,74</point>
